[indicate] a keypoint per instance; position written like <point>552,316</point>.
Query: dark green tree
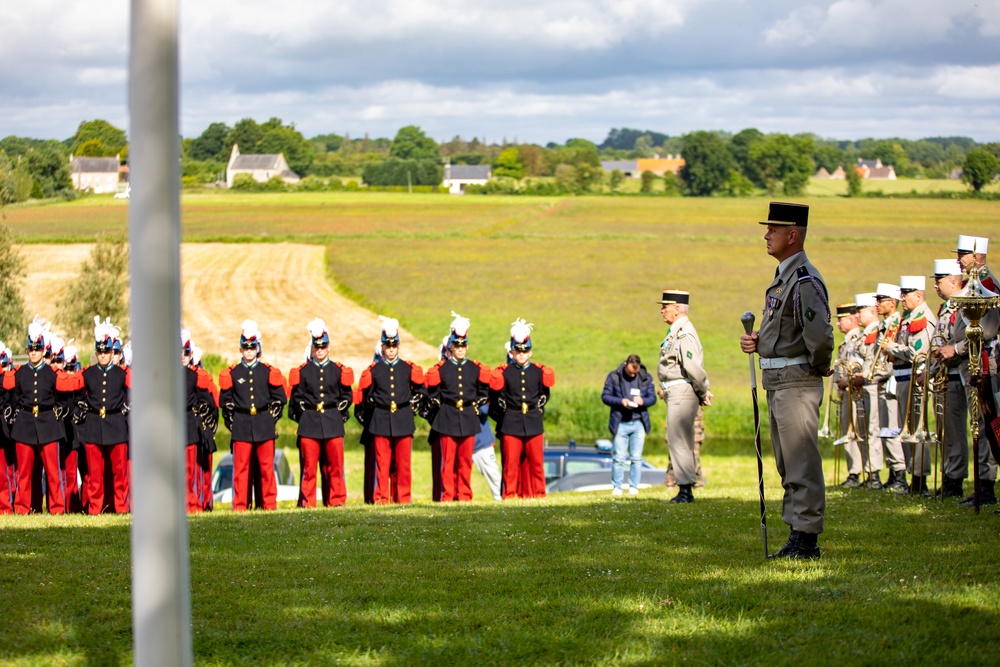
<point>111,138</point>
<point>615,180</point>
<point>285,139</point>
<point>100,289</point>
<point>783,162</point>
<point>647,177</point>
<point>393,172</point>
<point>854,181</point>
<point>211,144</point>
<point>12,272</point>
<point>981,167</point>
<point>829,157</point>
<point>48,164</point>
<point>246,134</point>
<point>739,146</point>
<point>707,162</point>
<point>411,143</point>
<point>328,142</point>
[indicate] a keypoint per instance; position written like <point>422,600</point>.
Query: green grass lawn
<point>574,579</point>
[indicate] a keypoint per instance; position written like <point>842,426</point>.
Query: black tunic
<point>519,391</point>
<point>34,394</point>
<point>316,392</point>
<point>454,383</point>
<point>386,391</point>
<point>247,389</point>
<point>106,392</point>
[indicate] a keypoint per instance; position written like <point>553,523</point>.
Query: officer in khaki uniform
<point>847,354</point>
<point>681,372</point>
<point>867,305</point>
<point>947,282</point>
<point>795,344</point>
<point>887,296</point>
<point>912,343</point>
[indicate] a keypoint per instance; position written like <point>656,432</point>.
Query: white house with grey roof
<point>100,175</point>
<point>262,167</point>
<point>458,176</point>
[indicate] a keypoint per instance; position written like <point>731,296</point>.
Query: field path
<point>281,286</point>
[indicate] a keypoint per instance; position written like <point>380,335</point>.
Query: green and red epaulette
<point>917,324</point>
<point>871,338</point>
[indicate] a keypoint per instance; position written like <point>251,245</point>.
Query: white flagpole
<point>161,581</point>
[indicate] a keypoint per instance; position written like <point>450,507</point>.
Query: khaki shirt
<point>796,323</point>
<point>848,353</point>
<point>868,347</point>
<point>887,332</point>
<point>913,338</point>
<point>682,358</point>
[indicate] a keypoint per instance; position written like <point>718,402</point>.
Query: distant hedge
<point>403,172</point>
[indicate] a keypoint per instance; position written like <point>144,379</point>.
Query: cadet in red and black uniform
<point>209,424</point>
<point>8,454</point>
<point>64,358</point>
<point>319,400</point>
<point>101,415</point>
<point>200,406</point>
<point>252,395</point>
<point>389,392</point>
<point>456,388</point>
<point>36,428</point>
<point>519,392</point>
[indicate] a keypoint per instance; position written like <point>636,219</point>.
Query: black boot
<point>951,488</point>
<point>799,546</point>
<point>987,496</point>
<point>873,482</point>
<point>897,482</point>
<point>684,495</point>
<point>919,487</point>
<point>852,482</point>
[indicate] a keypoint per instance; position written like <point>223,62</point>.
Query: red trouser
<point>8,482</point>
<point>528,452</point>
<point>193,483</point>
<point>49,455</point>
<point>205,463</point>
<point>456,468</point>
<point>71,486</point>
<point>392,469</point>
<point>264,452</point>
<point>329,455</point>
<point>99,459</point>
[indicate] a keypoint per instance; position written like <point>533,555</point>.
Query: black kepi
<point>788,215</point>
<point>675,296</point>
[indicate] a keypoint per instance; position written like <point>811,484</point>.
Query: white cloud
<point>969,83</point>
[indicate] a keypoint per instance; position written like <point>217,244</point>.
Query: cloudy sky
<point>534,70</point>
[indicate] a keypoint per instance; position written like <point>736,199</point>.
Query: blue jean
<point>628,440</point>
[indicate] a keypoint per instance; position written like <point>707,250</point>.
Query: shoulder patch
<point>689,355</point>
<point>810,314</point>
<point>802,273</point>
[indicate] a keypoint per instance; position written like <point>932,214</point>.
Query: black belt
<point>392,406</point>
<point>462,403</point>
<point>38,409</point>
<point>252,410</point>
<point>104,412</point>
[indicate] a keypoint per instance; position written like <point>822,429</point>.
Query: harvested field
<point>281,286</point>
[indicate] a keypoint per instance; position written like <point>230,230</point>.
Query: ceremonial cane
<point>747,320</point>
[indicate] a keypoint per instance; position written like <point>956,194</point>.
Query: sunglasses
<point>249,346</point>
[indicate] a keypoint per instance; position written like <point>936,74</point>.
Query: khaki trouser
<point>872,412</point>
<point>956,431</point>
<point>917,455</point>
<point>794,420</point>
<point>888,417</point>
<point>852,451</point>
<point>682,406</point>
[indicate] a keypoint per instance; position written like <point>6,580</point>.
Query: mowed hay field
<point>586,271</point>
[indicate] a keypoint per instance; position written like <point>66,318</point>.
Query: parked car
<point>124,194</point>
<point>571,467</point>
<point>222,478</point>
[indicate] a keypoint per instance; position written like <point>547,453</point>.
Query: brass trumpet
<point>881,357</point>
<point>834,395</point>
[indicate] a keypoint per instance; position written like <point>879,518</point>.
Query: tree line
<point>717,163</point>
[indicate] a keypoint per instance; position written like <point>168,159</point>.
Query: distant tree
<point>15,181</point>
<point>48,163</point>
<point>981,167</point>
<point>737,185</point>
<point>533,158</point>
<point>12,272</point>
<point>625,138</point>
<point>854,180</point>
<point>285,139</point>
<point>93,148</point>
<point>587,175</point>
<point>244,182</point>
<point>565,175</point>
<point>739,146</point>
<point>212,144</point>
<point>508,165</point>
<point>100,289</point>
<point>785,161</point>
<point>112,138</point>
<point>583,152</point>
<point>828,157</point>
<point>993,148</point>
<point>707,162</point>
<point>647,177</point>
<point>615,180</point>
<point>671,185</point>
<point>403,172</point>
<point>329,142</point>
<point>643,146</point>
<point>246,134</point>
<point>410,143</point>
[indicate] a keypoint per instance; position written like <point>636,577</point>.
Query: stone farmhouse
<point>873,170</point>
<point>262,167</point>
<point>458,176</point>
<point>100,175</point>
